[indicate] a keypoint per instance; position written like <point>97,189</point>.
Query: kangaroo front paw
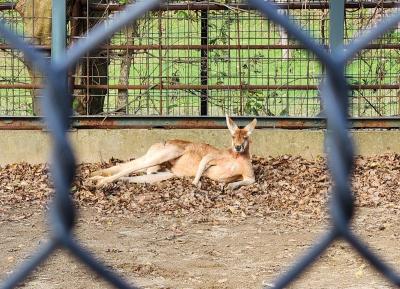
<point>97,173</point>
<point>197,184</point>
<point>105,172</point>
<point>98,181</point>
<point>96,178</point>
<point>231,186</point>
<point>92,181</point>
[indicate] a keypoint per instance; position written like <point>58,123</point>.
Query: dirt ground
<point>170,252</point>
<point>173,235</point>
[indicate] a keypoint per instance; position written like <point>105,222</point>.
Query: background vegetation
<point>283,69</point>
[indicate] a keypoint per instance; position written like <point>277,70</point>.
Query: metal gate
<point>339,147</point>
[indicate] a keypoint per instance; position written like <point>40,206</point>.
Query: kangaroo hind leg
<point>106,172</point>
<point>156,155</point>
<point>149,179</point>
<point>153,170</point>
<point>155,148</point>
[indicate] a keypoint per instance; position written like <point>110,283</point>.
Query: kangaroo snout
<point>238,148</point>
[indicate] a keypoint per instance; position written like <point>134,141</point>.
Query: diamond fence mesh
<point>335,97</point>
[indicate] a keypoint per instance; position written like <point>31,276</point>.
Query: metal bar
<point>336,25</point>
<point>363,249</point>
<point>59,28</point>
<point>209,86</point>
<point>209,47</point>
<point>74,31</point>
<point>39,47</point>
<point>59,32</point>
<point>102,270</point>
<point>193,122</point>
<point>199,87</point>
<point>7,6</point>
<point>19,86</point>
<point>30,265</point>
<point>204,63</point>
<point>160,61</point>
<point>239,65</point>
<point>321,246</point>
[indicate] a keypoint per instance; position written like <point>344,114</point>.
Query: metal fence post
<point>336,16</point>
<point>59,32</point>
<point>336,25</point>
<point>59,28</point>
<point>204,63</point>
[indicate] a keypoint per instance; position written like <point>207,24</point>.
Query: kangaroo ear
<point>251,126</point>
<point>231,125</point>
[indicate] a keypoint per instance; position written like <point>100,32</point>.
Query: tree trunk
<point>36,16</point>
<point>94,69</point>
<point>126,63</point>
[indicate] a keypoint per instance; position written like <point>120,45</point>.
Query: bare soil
<point>173,235</point>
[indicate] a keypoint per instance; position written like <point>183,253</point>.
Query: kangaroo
<point>179,158</point>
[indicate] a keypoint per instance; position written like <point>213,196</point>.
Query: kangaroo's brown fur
<point>187,159</point>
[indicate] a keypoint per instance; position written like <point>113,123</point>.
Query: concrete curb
<point>95,145</point>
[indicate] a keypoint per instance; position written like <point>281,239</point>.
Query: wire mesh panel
<point>17,81</point>
<point>209,58</point>
<point>205,58</point>
<point>374,73</point>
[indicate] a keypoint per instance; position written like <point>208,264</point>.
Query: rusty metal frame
<point>193,122</point>
<point>209,46</point>
<point>199,86</point>
<point>127,121</point>
<point>244,6</point>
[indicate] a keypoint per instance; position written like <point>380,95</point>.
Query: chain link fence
<point>335,96</point>
<point>204,58</point>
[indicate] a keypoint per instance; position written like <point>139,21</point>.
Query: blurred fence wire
<point>335,94</point>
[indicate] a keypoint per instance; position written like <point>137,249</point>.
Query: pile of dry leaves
<point>289,185</point>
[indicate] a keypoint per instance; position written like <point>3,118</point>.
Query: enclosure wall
<point>92,145</point>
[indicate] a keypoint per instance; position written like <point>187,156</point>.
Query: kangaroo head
<point>240,136</point>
